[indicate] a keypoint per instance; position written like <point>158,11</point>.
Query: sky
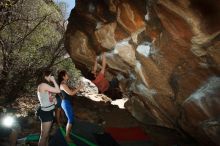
<point>70,5</point>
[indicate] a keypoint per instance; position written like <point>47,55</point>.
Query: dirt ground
<point>101,113</point>
<point>111,116</point>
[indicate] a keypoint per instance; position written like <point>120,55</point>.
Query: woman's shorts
<point>46,116</point>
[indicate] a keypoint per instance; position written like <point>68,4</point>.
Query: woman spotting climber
<point>47,105</point>
<point>67,93</point>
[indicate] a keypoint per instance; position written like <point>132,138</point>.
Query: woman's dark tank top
<point>65,95</point>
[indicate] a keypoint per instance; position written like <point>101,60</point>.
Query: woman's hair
<point>46,73</point>
<point>61,74</point>
<point>42,75</point>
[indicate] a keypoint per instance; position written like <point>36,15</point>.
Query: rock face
<point>166,53</point>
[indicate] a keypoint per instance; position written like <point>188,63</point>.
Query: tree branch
<point>31,31</point>
<point>59,62</point>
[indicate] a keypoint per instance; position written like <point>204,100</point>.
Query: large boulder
<point>164,51</point>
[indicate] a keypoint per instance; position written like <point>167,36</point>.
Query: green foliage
<point>45,34</point>
<point>62,8</point>
<point>31,40</point>
<point>4,4</point>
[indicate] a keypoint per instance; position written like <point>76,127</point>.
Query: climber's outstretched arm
<point>95,66</point>
<point>103,63</point>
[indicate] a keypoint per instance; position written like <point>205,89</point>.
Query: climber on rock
<point>109,88</point>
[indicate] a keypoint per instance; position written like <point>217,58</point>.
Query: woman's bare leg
<point>68,130</point>
<point>13,138</point>
<point>58,116</point>
<point>44,136</point>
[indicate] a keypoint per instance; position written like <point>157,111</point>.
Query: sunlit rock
<point>79,48</point>
<point>106,35</point>
<point>163,51</point>
<point>90,91</point>
<point>128,17</point>
<point>202,109</point>
<point>126,52</point>
<point>144,49</point>
<point>120,102</point>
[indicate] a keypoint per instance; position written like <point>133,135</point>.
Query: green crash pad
<point>32,138</point>
<point>77,140</point>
